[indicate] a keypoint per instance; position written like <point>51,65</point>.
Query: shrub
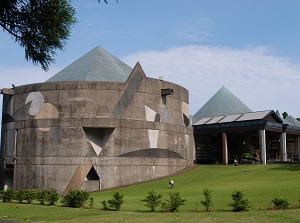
<point>104,204</point>
<point>164,207</point>
<point>75,198</point>
<point>152,200</point>
<point>173,204</point>
<point>91,203</point>
<point>117,201</point>
<point>19,196</point>
<point>239,203</point>
<point>280,203</point>
<point>29,195</point>
<point>41,196</point>
<point>52,196</point>
<point>8,195</point>
<point>207,202</point>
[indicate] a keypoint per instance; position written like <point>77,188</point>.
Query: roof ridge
<point>91,62</point>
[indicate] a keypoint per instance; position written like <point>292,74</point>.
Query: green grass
<point>260,183</point>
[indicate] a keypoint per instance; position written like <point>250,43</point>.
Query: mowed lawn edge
<point>259,183</point>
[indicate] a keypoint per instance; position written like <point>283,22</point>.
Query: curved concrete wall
<point>95,135</point>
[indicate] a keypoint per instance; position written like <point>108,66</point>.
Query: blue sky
<point>250,46</point>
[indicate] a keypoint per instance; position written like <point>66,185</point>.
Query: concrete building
<point>95,125</point>
<point>225,129</point>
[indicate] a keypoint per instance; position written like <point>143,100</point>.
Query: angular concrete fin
<point>137,70</point>
<point>134,81</point>
<point>98,137</point>
<point>79,176</point>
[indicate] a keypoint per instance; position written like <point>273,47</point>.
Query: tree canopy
<point>40,26</point>
<point>284,114</point>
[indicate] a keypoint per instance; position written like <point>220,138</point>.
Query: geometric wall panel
<point>98,137</point>
<point>45,129</point>
<point>185,114</point>
<point>37,102</point>
<point>153,137</point>
<point>150,114</point>
<point>166,116</point>
<point>185,109</point>
<point>186,120</point>
<point>48,111</point>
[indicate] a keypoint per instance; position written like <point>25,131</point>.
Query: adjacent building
<point>225,129</point>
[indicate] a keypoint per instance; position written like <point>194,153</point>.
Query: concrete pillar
<point>283,147</point>
<point>225,148</point>
<point>262,146</point>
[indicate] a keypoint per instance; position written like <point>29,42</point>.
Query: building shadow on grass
<point>288,167</point>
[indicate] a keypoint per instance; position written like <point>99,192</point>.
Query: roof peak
<point>224,102</point>
<point>96,65</point>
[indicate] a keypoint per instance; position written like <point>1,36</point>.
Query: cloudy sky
<point>250,46</point>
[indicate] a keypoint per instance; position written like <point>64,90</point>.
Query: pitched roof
<point>249,116</point>
<point>221,104</point>
<point>96,65</point>
<point>292,121</point>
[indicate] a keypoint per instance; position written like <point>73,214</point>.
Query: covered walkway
<point>248,137</point>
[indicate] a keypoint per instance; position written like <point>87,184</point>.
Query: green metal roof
<point>221,104</point>
<point>96,65</point>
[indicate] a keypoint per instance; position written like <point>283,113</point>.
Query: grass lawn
<point>260,183</point>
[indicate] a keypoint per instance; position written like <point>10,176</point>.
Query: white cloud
<point>23,75</point>
<point>260,79</point>
<point>199,30</point>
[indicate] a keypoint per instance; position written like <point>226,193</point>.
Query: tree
<point>173,204</point>
<point>106,1</point>
<point>239,202</point>
<point>40,26</point>
<point>207,202</point>
<point>152,200</point>
<point>284,114</point>
<point>117,201</point>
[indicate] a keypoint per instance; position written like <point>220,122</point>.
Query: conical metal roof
<point>96,65</point>
<point>224,102</point>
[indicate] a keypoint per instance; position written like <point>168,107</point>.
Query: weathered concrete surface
<point>118,129</point>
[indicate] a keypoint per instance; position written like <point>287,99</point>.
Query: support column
<point>298,146</point>
<point>283,147</point>
<point>225,148</point>
<point>262,146</point>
